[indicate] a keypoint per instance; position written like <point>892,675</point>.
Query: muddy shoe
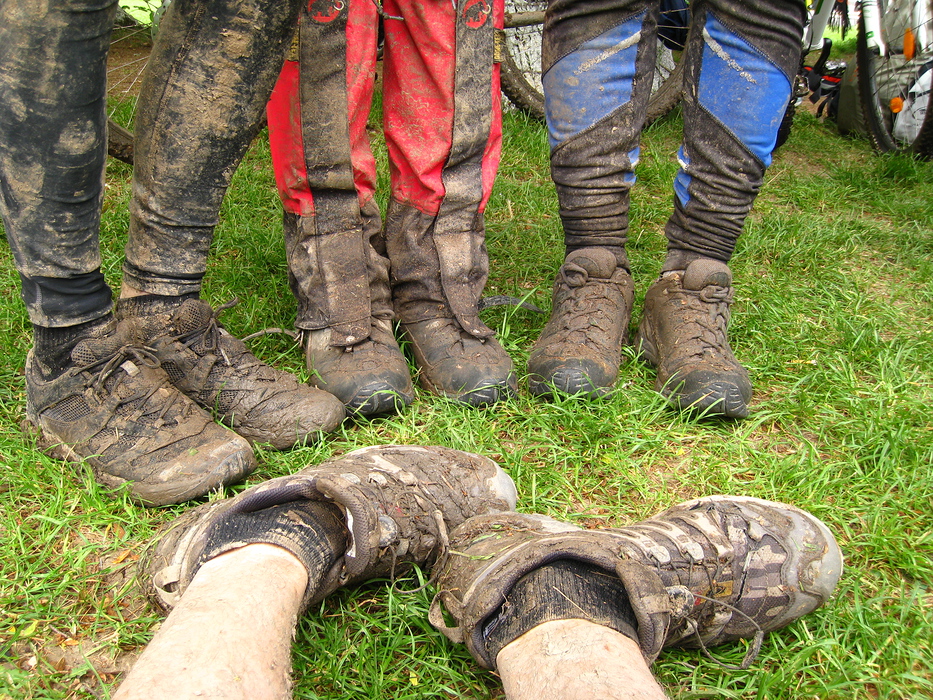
<point>705,572</point>
<point>370,378</point>
<point>455,364</point>
<point>684,334</point>
<point>116,410</point>
<point>580,348</point>
<point>399,503</point>
<point>263,404</point>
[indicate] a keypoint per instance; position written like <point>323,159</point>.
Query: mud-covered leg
<point>443,130</point>
<point>598,61</point>
<point>739,68</point>
<point>326,174</point>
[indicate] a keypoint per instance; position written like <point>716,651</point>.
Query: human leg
<point>228,58</point>
<point>93,394</point>
<point>443,131</point>
<point>739,68</point>
<point>326,175</point>
<point>368,514</point>
<point>703,573</point>
<point>598,62</point>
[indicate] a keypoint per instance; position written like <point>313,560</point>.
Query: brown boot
<point>683,333</point>
<point>437,279</point>
<point>580,349</point>
<point>345,311</point>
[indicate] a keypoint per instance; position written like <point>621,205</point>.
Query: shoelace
<point>109,366</point>
<point>709,328</point>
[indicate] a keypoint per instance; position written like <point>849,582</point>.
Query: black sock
<point>52,346</point>
<point>314,532</point>
<point>562,590</point>
<point>149,304</point>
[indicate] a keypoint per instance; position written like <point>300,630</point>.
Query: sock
<point>52,346</point>
<point>561,590</point>
<point>149,304</point>
<point>313,531</point>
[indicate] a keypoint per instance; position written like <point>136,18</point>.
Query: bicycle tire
<point>521,66</point>
<point>883,80</point>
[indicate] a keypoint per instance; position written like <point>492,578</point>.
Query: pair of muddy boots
<point>683,334</point>
<point>705,572</point>
<point>347,303</point>
<point>138,396</point>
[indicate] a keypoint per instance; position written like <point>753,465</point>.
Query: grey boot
<point>341,281</point>
<point>684,334</point>
<point>439,269</point>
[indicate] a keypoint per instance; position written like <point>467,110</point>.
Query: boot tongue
<point>705,272</point>
<point>587,263</point>
<point>98,347</point>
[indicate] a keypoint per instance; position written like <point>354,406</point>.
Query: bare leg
<point>230,635</point>
<point>569,659</point>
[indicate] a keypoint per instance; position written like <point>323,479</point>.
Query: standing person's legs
<point>236,573</point>
<point>598,62</point>
<point>740,64</point>
<point>705,572</point>
<point>326,175</point>
<point>442,116</point>
<point>92,393</point>
<point>209,77</point>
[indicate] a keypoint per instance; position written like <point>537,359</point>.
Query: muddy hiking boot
<point>458,365</point>
<point>398,504</point>
<point>339,275</point>
<point>580,348</point>
<point>116,410</point>
<point>684,335</point>
<point>371,377</point>
<point>217,371</point>
<point>705,572</point>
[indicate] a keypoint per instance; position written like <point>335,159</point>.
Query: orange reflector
<point>897,104</point>
<point>910,44</point>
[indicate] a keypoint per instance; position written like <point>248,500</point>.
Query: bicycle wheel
<point>521,64</point>
<point>896,111</point>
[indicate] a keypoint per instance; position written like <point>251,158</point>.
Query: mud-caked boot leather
<point>580,348</point>
<point>341,281</point>
<point>684,334</point>
<point>439,268</point>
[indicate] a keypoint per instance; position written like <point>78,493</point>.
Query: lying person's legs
<point>706,572</point>
<point>236,573</point>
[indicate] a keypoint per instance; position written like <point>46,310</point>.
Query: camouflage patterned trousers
<point>211,72</point>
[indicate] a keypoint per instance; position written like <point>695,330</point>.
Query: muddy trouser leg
<point>740,62</point>
<point>442,114</point>
<point>53,59</point>
<point>598,62</point>
<point>740,65</point>
<point>326,175</point>
<point>209,77</point>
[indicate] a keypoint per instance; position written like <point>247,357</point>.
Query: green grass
<point>833,318</point>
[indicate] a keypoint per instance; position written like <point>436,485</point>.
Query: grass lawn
<point>833,319</point>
